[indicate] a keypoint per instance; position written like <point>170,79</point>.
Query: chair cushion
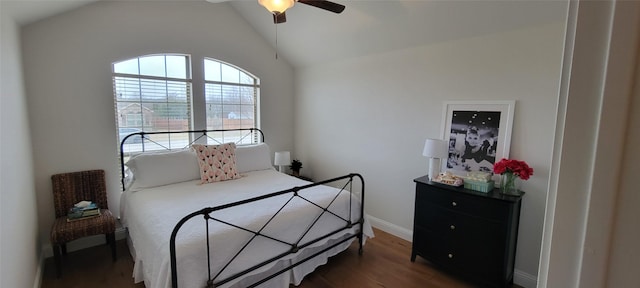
<point>64,231</point>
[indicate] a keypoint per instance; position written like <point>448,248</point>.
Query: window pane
<point>159,112</point>
<point>231,102</point>
<point>126,112</point>
<point>179,111</point>
<point>152,66</point>
<point>213,93</point>
<point>214,117</point>
<point>177,66</point>
<point>179,91</point>
<point>127,88</point>
<point>245,78</point>
<point>211,70</point>
<point>153,90</point>
<point>247,96</point>
<point>231,111</point>
<point>127,67</point>
<point>247,111</point>
<point>150,103</point>
<point>230,74</point>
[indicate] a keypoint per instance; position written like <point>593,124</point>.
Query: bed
<point>263,228</point>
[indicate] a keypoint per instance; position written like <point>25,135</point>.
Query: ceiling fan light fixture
<point>276,6</point>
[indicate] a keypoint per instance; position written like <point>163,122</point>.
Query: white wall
<point>67,62</point>
<point>371,115</point>
<point>19,245</point>
<point>626,232</point>
<point>591,231</point>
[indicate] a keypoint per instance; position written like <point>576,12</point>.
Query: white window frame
<point>153,87</point>
<point>197,115</point>
<point>231,118</point>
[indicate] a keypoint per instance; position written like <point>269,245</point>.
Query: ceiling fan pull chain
<point>276,41</point>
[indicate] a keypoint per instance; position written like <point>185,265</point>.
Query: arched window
<point>154,93</point>
<point>231,96</point>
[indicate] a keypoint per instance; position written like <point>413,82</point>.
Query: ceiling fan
<point>278,7</point>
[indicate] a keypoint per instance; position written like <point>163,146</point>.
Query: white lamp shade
<point>276,6</point>
<point>435,148</point>
<point>282,158</point>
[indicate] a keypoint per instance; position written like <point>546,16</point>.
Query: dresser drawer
<point>452,252</point>
<point>477,258</point>
<point>462,203</point>
<point>448,223</point>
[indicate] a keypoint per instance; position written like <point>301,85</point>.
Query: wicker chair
<point>69,189</point>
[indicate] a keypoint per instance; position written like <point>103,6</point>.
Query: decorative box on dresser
<point>466,233</point>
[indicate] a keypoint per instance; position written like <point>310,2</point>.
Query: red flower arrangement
<point>516,167</point>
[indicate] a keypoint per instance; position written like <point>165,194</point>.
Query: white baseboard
<point>525,280</point>
<point>38,282</point>
<point>390,228</point>
<point>84,243</point>
<point>519,277</point>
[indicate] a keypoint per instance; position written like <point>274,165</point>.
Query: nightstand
<point>466,233</point>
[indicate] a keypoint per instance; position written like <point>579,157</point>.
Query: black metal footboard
<point>349,223</point>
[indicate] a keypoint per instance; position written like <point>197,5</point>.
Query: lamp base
<point>434,168</point>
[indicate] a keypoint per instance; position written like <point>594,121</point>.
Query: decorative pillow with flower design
<point>217,162</point>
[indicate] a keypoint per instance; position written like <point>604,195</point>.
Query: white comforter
<point>151,214</point>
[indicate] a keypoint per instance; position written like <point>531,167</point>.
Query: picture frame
<point>479,135</point>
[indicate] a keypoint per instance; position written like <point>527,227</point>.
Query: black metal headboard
<point>144,141</point>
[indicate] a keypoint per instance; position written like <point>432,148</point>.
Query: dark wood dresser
<point>466,233</point>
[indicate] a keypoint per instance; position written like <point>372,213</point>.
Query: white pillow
<point>253,157</point>
<point>157,169</point>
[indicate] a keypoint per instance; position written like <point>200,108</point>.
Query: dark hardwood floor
<point>92,267</point>
<point>385,263</point>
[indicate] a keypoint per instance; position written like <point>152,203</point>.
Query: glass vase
<point>509,184</point>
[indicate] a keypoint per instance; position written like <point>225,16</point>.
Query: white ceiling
<point>312,35</point>
<point>27,11</point>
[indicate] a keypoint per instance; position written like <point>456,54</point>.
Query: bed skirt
<point>294,276</point>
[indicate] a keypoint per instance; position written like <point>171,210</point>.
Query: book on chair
<point>77,213</point>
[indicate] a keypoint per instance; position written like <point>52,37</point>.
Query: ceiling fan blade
<point>326,5</point>
<point>217,1</point>
<point>279,18</point>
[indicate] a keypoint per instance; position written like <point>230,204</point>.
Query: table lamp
<point>435,149</point>
<point>282,159</point>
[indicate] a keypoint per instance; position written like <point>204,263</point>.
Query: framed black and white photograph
<point>479,134</point>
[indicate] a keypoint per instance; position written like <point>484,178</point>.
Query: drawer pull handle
<point>450,256</point>
<point>453,227</point>
<point>454,204</point>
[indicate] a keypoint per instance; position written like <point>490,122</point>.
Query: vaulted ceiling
<point>27,11</point>
<point>312,35</point>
